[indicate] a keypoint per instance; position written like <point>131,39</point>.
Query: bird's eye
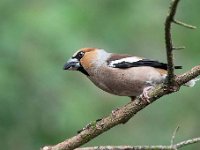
<point>80,54</point>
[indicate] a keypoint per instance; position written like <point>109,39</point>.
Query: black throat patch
<point>82,70</point>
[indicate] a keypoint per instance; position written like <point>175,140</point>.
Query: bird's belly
<point>120,87</point>
<point>126,82</point>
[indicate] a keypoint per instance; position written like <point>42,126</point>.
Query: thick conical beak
<point>72,64</point>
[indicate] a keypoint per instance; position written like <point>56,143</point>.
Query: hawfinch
<point>118,74</point>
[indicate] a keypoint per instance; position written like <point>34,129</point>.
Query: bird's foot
<point>144,96</point>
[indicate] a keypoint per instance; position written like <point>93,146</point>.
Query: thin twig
<point>188,142</point>
<point>178,48</point>
<point>174,135</point>
<point>184,24</point>
<point>156,147</point>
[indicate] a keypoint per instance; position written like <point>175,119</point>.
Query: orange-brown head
<point>82,60</point>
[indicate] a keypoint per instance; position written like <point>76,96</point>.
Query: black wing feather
<point>144,62</point>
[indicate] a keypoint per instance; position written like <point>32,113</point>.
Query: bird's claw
<point>144,96</point>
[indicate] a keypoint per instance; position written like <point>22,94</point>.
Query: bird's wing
<point>133,61</point>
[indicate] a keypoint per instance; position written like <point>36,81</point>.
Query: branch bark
<point>123,114</point>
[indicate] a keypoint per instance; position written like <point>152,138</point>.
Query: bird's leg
<point>144,95</point>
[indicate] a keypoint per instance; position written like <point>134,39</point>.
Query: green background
<point>41,104</point>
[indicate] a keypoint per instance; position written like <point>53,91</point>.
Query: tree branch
<point>188,142</point>
<point>168,42</point>
<point>156,147</point>
<point>123,114</point>
<point>152,147</point>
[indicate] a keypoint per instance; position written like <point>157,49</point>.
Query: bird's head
<point>82,60</point>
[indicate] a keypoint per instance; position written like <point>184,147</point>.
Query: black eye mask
<point>79,55</point>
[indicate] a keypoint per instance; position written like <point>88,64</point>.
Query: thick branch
<point>121,115</point>
<point>168,42</point>
<point>184,78</point>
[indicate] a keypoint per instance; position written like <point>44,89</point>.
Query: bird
<point>119,74</point>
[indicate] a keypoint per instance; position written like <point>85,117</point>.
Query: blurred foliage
<point>42,104</point>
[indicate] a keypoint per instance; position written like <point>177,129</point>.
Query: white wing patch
<point>127,59</point>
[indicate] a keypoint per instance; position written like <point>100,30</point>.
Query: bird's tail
<point>192,82</point>
<point>178,67</point>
